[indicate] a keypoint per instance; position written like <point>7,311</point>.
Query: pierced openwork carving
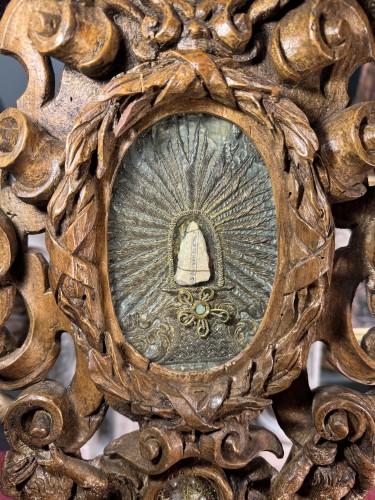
<point>188,175</point>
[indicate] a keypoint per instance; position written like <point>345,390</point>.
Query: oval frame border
<point>79,274</point>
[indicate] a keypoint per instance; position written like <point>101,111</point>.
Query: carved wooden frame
<point>272,115</point>
<point>192,424</point>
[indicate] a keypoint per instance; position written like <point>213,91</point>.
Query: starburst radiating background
<point>202,168</point>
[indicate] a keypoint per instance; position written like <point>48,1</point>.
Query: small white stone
<point>193,261</point>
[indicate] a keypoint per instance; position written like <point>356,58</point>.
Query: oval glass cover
<point>192,242</point>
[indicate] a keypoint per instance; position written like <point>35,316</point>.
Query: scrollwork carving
<point>276,70</point>
<point>236,445</point>
<point>31,155</point>
<point>36,418</point>
<point>344,166</point>
<point>336,458</point>
<point>24,365</point>
<point>71,32</point>
<point>325,38</point>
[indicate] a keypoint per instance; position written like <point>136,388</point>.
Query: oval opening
<point>192,242</point>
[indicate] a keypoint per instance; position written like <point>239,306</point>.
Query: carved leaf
<point>101,373</point>
<point>151,395</point>
<point>138,83</point>
<point>196,412</point>
<point>263,370</point>
<point>106,141</point>
<point>134,111</point>
<point>242,81</point>
<point>123,85</point>
<point>210,74</point>
<point>83,139</point>
<point>300,138</point>
<point>179,83</point>
<point>247,403</point>
<point>251,104</point>
<point>286,368</point>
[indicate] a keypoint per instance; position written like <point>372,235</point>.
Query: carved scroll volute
<point>353,264</point>
<point>45,414</point>
<point>324,38</point>
<point>31,361</point>
<point>8,246</point>
<point>33,157</point>
<point>347,152</point>
<point>36,418</point>
<point>236,446</point>
<point>81,36</point>
<point>154,449</point>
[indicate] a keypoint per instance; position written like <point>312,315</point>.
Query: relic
<point>193,261</point>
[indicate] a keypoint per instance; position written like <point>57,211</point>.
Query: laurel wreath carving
<point>120,105</point>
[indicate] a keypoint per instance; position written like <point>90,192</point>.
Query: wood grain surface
<point>76,166</point>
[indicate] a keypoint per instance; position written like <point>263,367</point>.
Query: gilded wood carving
<point>188,175</point>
